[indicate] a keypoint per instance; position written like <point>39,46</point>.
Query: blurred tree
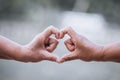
<point>66,4</point>
<point>8,8</point>
<point>16,8</point>
<point>109,8</point>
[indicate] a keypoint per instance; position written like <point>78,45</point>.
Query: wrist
<point>99,53</point>
<point>17,53</point>
<point>25,53</point>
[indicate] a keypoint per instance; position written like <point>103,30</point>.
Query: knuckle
<point>69,28</point>
<point>51,27</point>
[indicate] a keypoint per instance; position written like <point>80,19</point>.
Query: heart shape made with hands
<point>69,43</point>
<point>41,47</point>
<point>79,47</point>
<point>45,44</point>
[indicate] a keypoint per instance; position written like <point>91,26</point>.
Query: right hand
<point>79,47</point>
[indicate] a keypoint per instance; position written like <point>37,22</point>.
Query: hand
<point>79,47</point>
<point>41,47</point>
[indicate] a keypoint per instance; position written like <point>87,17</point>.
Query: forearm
<point>9,49</point>
<point>111,52</point>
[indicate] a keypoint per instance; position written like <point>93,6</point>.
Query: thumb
<point>50,57</point>
<point>51,44</point>
<point>67,57</point>
<point>70,45</point>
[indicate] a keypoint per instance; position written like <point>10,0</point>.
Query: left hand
<point>41,47</point>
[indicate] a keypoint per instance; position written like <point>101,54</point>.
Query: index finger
<point>69,31</point>
<point>51,30</point>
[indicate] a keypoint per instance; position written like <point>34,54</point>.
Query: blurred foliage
<point>17,8</point>
<point>11,7</point>
<point>66,4</point>
<point>109,8</point>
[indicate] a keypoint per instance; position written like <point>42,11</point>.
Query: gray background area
<point>98,20</point>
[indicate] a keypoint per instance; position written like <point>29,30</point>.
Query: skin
<point>83,49</point>
<point>39,49</point>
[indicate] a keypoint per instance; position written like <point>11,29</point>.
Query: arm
<point>40,48</point>
<point>9,49</point>
<point>111,52</point>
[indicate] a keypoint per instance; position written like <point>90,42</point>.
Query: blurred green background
<point>98,20</point>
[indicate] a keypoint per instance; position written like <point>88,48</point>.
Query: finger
<point>52,44</point>
<point>70,45</point>
<point>68,31</point>
<point>50,57</point>
<point>2,56</point>
<point>62,33</point>
<point>67,57</point>
<point>51,30</point>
